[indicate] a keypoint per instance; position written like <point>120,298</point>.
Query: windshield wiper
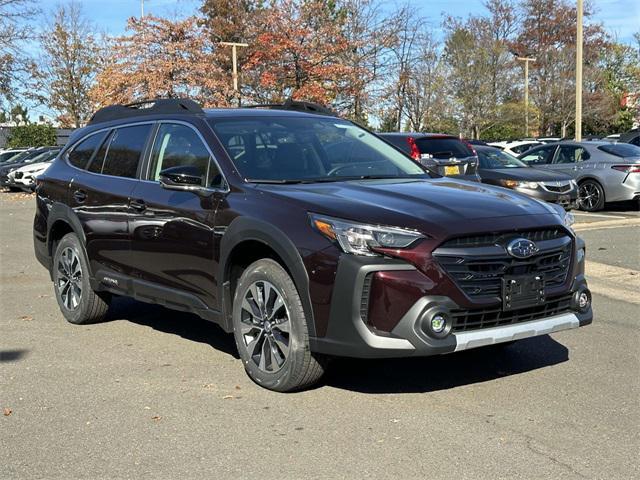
<point>283,181</point>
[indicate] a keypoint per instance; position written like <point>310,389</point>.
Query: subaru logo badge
<point>522,248</point>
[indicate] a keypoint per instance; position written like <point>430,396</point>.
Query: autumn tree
<point>232,21</point>
<point>481,75</point>
<point>298,53</point>
<point>162,58</point>
<point>65,70</point>
<point>13,31</point>
<point>548,33</point>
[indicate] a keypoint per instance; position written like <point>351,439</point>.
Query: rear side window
<point>125,150</point>
<point>621,150</point>
<point>443,147</point>
<point>82,153</point>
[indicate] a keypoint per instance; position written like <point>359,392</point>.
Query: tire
<point>590,196</point>
<point>266,304</point>
<point>78,303</point>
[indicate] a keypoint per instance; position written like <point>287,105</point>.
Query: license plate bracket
<point>522,291</point>
<point>451,170</point>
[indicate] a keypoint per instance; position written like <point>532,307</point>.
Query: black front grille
<point>561,189</point>
<point>465,320</point>
<point>480,276</point>
<point>488,239</point>
<point>18,175</point>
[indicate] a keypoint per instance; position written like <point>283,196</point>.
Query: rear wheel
<point>590,196</point>
<point>271,330</point>
<point>78,302</point>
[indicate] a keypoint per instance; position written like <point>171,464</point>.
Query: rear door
<point>100,194</point>
<point>172,230</point>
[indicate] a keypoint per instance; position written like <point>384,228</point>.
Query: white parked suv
<point>25,176</point>
<point>516,147</point>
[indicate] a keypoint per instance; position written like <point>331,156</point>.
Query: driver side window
<point>541,156</point>
<point>178,147</point>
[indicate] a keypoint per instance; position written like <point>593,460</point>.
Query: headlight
<point>359,238</point>
<point>515,183</point>
<point>569,220</point>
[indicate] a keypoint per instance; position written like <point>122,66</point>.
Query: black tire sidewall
<point>79,315</point>
<point>600,204</point>
<point>285,378</point>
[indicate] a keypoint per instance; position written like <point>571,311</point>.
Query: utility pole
<point>234,57</point>
<point>526,61</point>
<point>579,74</point>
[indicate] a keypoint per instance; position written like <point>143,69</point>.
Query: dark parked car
<point>499,168</point>
<point>28,156</point>
<point>632,137</point>
<point>604,171</point>
<point>303,234</point>
<point>444,154</point>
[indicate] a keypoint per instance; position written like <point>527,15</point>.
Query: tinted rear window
<point>401,142</point>
<point>444,147</point>
<point>81,153</point>
<point>621,150</point>
<point>124,151</point>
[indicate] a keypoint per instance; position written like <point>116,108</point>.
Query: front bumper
<point>349,334</point>
<point>567,199</point>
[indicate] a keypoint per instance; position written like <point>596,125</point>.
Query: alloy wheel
<point>589,195</point>
<point>69,279</point>
<point>265,326</point>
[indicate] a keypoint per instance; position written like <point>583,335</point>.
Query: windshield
<point>6,156</point>
<point>309,149</point>
<point>621,150</point>
<point>492,159</point>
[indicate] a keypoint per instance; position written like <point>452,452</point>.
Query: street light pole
<point>579,73</point>
<point>526,61</point>
<point>234,57</point>
<point>141,8</point>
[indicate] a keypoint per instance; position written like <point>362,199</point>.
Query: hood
<point>441,205</point>
<point>526,174</point>
<point>34,167</point>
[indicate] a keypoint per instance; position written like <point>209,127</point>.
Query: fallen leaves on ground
<point>156,417</point>
<point>26,318</point>
<point>6,411</point>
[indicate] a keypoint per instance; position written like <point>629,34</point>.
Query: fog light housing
<point>436,322</point>
<point>582,300</point>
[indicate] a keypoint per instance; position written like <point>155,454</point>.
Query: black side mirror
<point>181,178</point>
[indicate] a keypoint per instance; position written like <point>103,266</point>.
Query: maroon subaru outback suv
<point>303,234</point>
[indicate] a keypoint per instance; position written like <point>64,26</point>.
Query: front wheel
<point>590,196</point>
<point>270,330</point>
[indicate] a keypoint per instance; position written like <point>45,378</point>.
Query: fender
<point>245,228</point>
<point>62,212</point>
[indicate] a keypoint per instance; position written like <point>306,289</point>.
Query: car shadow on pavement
<point>12,355</point>
<point>186,325</point>
<point>429,374</point>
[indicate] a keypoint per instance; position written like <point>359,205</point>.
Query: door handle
<point>138,205</point>
<point>80,196</point>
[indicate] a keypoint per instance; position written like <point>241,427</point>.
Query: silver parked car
<point>605,172</point>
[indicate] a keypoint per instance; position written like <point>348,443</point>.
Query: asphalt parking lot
<point>153,393</point>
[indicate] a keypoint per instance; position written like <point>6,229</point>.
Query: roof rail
<point>297,105</point>
<point>146,107</point>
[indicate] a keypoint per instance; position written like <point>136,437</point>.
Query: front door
<point>172,231</point>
